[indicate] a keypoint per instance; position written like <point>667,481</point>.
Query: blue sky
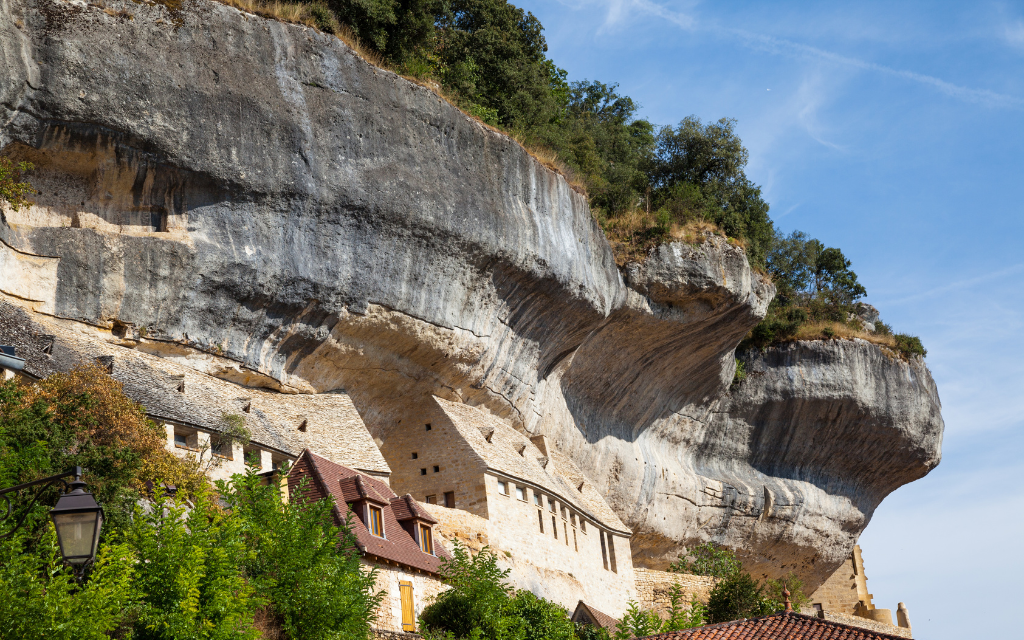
<point>894,131</point>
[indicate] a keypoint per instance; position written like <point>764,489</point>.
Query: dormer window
<point>375,521</point>
<point>426,543</point>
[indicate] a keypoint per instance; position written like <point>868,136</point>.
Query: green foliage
<point>189,581</point>
<point>738,596</point>
<point>683,617</point>
<point>234,429</point>
<point>396,29</point>
<point>306,567</point>
<point>637,623</point>
<point>13,188</point>
<point>708,559</point>
<point>741,372</point>
<point>773,592</point>
<point>698,174</point>
<point>42,601</point>
<point>82,418</point>
<point>910,345</point>
<point>481,604</point>
<point>589,632</point>
<point>474,603</point>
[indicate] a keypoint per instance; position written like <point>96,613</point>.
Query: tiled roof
<point>589,615</point>
<point>781,626</point>
<point>355,488</point>
<point>509,452</point>
<point>406,508</point>
<point>398,544</point>
<point>176,393</point>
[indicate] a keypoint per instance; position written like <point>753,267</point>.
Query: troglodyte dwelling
<point>395,534</point>
<point>522,496</point>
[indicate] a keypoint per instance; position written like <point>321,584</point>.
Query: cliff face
<point>256,201</point>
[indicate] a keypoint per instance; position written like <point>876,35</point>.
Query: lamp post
<point>77,517</point>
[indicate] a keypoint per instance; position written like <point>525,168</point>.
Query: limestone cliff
<point>256,199</point>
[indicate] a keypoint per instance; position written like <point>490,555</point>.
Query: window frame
<point>426,541</point>
<point>375,523</point>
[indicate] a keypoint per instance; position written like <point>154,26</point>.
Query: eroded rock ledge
<point>235,186</point>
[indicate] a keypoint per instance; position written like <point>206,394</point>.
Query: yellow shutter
<point>408,612</point>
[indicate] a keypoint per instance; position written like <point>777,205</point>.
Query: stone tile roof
<point>510,453</point>
<point>173,392</point>
<point>406,508</point>
<point>781,626</point>
<point>398,545</point>
<point>587,614</point>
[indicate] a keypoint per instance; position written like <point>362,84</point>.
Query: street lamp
<point>77,517</point>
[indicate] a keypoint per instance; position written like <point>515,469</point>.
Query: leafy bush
<point>13,188</point>
<point>741,372</point>
<point>190,581</point>
<point>909,345</point>
<point>637,623</point>
<point>42,600</point>
<point>738,596</point>
<point>481,604</point>
<point>307,568</point>
<point>708,559</point>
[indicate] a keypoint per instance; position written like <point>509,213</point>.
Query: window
<point>583,525</point>
<point>436,468</point>
<point>540,519</point>
<point>253,457</point>
<point>376,523</point>
<point>415,455</point>
<point>565,530</point>
<point>554,526</point>
<point>551,504</point>
<point>423,472</point>
<point>604,551</point>
<point>186,439</point>
<point>431,499</point>
<point>502,487</point>
<point>538,500</point>
<point>408,610</point>
<point>565,513</point>
<point>520,494</point>
<point>180,440</point>
<point>428,426</point>
<point>611,552</point>
<point>572,520</point>
<point>426,544</point>
<point>575,544</point>
<point>220,448</point>
<point>449,499</point>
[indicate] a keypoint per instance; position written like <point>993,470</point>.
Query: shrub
<point>474,603</point>
<point>307,568</point>
<point>13,188</point>
<point>909,345</point>
<point>190,581</point>
<point>683,617</point>
<point>738,596</point>
<point>708,559</point>
<point>741,372</point>
<point>42,601</point>
<point>637,623</point>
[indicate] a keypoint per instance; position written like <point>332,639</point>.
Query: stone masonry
<point>653,588</point>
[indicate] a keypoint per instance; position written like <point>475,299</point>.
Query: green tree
<point>738,596</point>
<point>190,581</point>
<point>307,568</point>
<point>637,623</point>
<point>698,174</point>
<point>479,593</point>
<point>396,29</point>
<point>682,616</point>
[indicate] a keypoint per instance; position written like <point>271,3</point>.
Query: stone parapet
<point>870,625</point>
<point>653,588</point>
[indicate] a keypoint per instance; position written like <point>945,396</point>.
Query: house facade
<point>550,526</point>
<point>394,533</point>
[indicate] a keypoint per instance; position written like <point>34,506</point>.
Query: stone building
<point>199,397</point>
<point>844,597</point>
<point>395,535</point>
<point>549,524</point>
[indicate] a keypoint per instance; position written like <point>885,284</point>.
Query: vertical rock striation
<point>223,184</point>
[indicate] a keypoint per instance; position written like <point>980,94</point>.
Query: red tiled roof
<point>406,508</point>
<point>346,485</point>
<point>589,615</point>
<point>781,626</point>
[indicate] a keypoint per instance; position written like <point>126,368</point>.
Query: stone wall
<point>459,468</point>
<point>425,588</point>
<point>653,588</point>
<point>840,592</point>
<point>864,623</point>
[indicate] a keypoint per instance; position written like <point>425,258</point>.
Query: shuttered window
<point>408,610</point>
<point>376,522</point>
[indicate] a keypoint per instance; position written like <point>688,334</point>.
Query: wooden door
<point>408,611</point>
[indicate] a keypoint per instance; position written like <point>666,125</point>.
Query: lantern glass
<point>78,534</point>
